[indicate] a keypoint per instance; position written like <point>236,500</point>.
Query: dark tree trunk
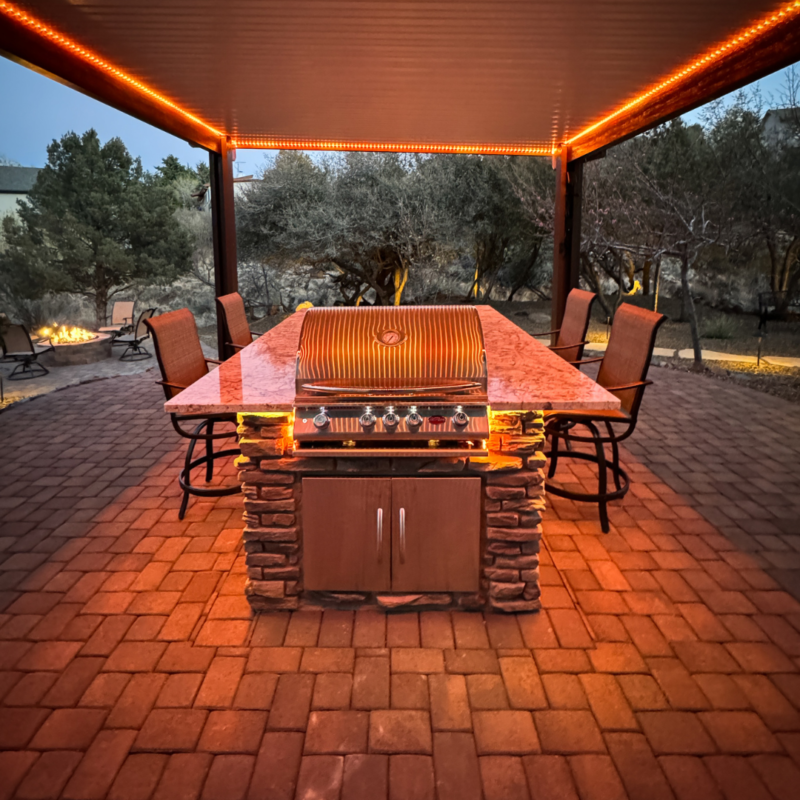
<point>688,305</point>
<point>657,284</point>
<point>588,273</point>
<point>533,257</point>
<point>100,305</point>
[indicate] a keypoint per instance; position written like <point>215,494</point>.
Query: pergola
<point>564,79</point>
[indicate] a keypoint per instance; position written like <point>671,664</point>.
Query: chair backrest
<point>16,339</point>
<point>142,331</point>
<point>630,348</point>
<point>178,350</point>
<point>231,307</point>
<point>575,324</point>
<point>122,312</point>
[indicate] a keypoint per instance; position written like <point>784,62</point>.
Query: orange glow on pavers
<point>46,32</point>
<point>744,37</point>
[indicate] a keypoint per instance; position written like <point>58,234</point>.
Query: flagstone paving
<point>664,664</point>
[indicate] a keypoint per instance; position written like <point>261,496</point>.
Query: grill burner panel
<point>397,379</point>
<point>344,423</point>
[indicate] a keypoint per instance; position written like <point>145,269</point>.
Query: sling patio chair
<point>134,350</point>
<point>572,333</point>
<point>623,372</point>
<point>181,361</point>
<point>121,320</point>
<point>230,307</point>
<point>17,346</point>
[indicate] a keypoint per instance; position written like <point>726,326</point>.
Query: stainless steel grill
<point>396,380</point>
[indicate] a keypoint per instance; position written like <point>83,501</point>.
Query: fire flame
<point>65,335</point>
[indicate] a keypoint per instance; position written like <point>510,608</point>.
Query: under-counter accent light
<point>46,32</point>
<point>746,36</point>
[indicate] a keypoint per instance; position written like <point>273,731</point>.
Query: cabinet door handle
<point>402,536</point>
<point>379,535</point>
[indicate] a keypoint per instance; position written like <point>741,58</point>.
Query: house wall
<point>8,202</point>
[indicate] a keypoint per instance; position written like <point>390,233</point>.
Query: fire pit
<point>73,345</point>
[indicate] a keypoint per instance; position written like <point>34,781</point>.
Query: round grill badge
<point>390,337</point>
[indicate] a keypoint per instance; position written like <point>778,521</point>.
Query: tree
<point>762,181</point>
<point>661,194</point>
<point>94,224</point>
<point>533,182</point>
<point>371,216</point>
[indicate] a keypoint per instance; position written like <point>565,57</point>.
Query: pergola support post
<point>223,221</point>
<point>566,233</point>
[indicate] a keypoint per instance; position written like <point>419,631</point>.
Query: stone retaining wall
<point>513,484</point>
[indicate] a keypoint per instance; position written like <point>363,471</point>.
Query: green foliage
<point>171,171</point>
<point>95,224</point>
<point>719,328</point>
<point>382,219</point>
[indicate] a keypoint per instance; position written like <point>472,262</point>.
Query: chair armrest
<point>213,361</point>
<point>254,335</point>
<point>567,346</point>
<point>546,333</point>
<point>235,346</point>
<point>588,360</point>
<point>635,385</point>
<point>171,385</point>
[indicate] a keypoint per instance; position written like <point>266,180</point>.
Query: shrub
<point>719,328</point>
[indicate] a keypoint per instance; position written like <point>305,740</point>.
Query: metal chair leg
<point>186,474</point>
<point>210,453</point>
<point>27,369</point>
<point>602,477</point>
<point>553,454</point>
<point>615,456</point>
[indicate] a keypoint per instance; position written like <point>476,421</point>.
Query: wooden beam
<point>223,221</point>
<point>23,45</point>
<point>566,233</point>
<point>774,50</point>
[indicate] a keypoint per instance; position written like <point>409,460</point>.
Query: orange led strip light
<point>787,12</point>
<point>264,143</point>
<point>47,32</point>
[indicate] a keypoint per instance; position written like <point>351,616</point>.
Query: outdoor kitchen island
<point>386,460</point>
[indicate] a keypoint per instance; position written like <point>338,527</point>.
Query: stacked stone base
<point>513,485</point>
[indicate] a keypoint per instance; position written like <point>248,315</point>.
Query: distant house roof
<point>783,114</point>
<point>17,180</point>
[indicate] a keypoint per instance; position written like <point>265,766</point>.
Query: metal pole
<point>223,221</point>
<point>566,233</point>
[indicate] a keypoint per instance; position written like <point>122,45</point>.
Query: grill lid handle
<point>451,389</point>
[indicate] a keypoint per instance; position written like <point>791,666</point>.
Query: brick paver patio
<point>664,665</point>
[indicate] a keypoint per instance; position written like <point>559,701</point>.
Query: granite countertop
<point>523,374</point>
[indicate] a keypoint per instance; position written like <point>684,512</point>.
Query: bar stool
<point>234,319</point>
<point>181,360</point>
<point>623,372</point>
<point>572,333</point>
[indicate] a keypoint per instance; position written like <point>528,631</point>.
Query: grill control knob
<point>322,420</point>
<point>460,418</point>
<point>414,418</point>
<point>367,419</point>
<point>390,418</point>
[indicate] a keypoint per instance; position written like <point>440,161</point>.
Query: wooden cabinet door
<point>436,524</point>
<point>347,534</point>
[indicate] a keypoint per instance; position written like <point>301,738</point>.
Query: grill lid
<point>410,351</point>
